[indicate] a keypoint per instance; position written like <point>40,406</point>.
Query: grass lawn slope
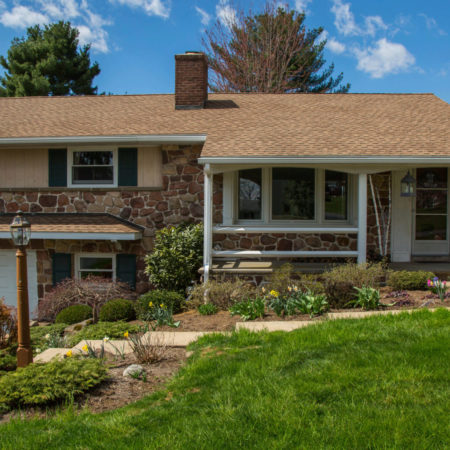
<point>381,382</point>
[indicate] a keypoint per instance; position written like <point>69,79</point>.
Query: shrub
<point>92,291</point>
<point>8,325</point>
<point>113,330</point>
<point>367,298</point>
<point>147,348</point>
<point>409,281</point>
<point>221,293</point>
<point>310,283</point>
<point>40,336</point>
<point>249,309</point>
<point>8,361</point>
<point>119,309</point>
<point>41,384</point>
<point>281,278</point>
<point>207,309</point>
<point>176,257</point>
<point>74,314</point>
<point>340,281</point>
<point>174,301</point>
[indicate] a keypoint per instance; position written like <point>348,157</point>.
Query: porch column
<point>207,221</point>
<point>362,218</point>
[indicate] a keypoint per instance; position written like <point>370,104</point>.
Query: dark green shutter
<point>57,167</point>
<point>126,269</point>
<point>62,267</point>
<point>128,167</point>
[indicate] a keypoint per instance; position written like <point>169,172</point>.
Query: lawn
<point>381,382</point>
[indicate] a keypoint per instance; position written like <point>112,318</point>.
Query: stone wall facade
<point>180,199</point>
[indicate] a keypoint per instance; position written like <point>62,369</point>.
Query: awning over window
<point>76,226</point>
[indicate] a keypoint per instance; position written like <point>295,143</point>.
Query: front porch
<point>323,213</point>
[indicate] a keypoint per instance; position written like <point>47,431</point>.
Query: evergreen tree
<point>271,52</point>
<point>48,62</point>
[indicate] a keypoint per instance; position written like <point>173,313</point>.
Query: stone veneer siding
<point>180,199</point>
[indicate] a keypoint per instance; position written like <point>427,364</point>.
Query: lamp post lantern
<point>21,234</point>
<point>408,186</point>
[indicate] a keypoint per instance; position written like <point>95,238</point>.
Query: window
<point>336,190</point>
<point>97,265</point>
<point>92,167</point>
<point>250,182</point>
<point>293,194</point>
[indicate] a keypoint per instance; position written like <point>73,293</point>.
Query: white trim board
<point>112,139</point>
<point>283,253</point>
<point>281,229</point>
<point>80,236</point>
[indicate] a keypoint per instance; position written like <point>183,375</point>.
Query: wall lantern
<point>408,186</point>
<point>21,233</point>
<point>20,230</point>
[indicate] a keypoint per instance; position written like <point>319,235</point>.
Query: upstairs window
<point>92,168</point>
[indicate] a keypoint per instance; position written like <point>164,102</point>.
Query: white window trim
<point>319,204</point>
<point>78,256</point>
<point>70,153</point>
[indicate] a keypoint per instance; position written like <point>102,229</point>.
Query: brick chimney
<point>191,80</point>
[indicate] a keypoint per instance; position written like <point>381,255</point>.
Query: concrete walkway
<point>184,338</point>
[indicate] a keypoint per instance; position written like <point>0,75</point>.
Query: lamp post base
<point>24,357</point>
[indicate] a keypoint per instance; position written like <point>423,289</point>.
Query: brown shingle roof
<point>72,223</point>
<point>249,124</point>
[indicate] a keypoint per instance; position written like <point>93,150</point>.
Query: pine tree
<point>48,62</point>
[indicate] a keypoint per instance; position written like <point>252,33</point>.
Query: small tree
<point>93,291</point>
<point>176,257</point>
<point>271,52</point>
<point>48,62</point>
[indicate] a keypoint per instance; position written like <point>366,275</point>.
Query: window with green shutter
<point>128,166</point>
<point>57,167</point>
<point>62,267</point>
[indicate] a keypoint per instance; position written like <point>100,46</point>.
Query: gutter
<point>112,139</point>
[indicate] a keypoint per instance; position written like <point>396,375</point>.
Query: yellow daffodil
<point>274,293</point>
<point>150,304</point>
<point>263,289</point>
<point>125,335</point>
<point>106,339</point>
<point>161,305</point>
<point>295,288</point>
<point>84,348</point>
<point>289,288</point>
<point>69,354</point>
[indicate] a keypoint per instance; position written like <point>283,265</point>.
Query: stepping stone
<point>49,354</point>
<point>274,326</point>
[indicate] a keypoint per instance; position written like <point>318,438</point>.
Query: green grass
<point>381,382</point>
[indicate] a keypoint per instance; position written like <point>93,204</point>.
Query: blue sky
<point>381,46</point>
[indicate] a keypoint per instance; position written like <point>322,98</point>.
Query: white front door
<point>8,288</point>
<point>431,227</point>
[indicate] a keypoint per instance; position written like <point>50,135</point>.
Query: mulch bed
<point>222,321</point>
<point>117,390</point>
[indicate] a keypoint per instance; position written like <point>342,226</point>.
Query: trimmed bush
<point>409,281</point>
<point>74,314</point>
<point>173,301</point>
<point>113,330</point>
<point>119,309</point>
<point>177,255</point>
<point>42,384</point>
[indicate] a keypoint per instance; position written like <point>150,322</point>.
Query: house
<point>272,177</point>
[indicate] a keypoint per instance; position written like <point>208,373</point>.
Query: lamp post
<point>408,186</point>
<point>21,233</point>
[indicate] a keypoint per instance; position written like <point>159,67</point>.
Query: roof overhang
<point>79,236</point>
<point>137,139</point>
<point>351,164</point>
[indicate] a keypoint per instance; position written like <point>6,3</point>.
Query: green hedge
<point>174,301</point>
<point>409,281</point>
<point>74,314</point>
<point>119,309</point>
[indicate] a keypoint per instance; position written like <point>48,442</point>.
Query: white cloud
<point>344,19</point>
<point>92,31</point>
<point>301,5</point>
<point>433,25</point>
<point>60,9</point>
<point>372,23</point>
<point>22,17</point>
<point>225,13</point>
<point>158,8</point>
<point>384,58</point>
<point>335,46</point>
<point>204,16</point>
